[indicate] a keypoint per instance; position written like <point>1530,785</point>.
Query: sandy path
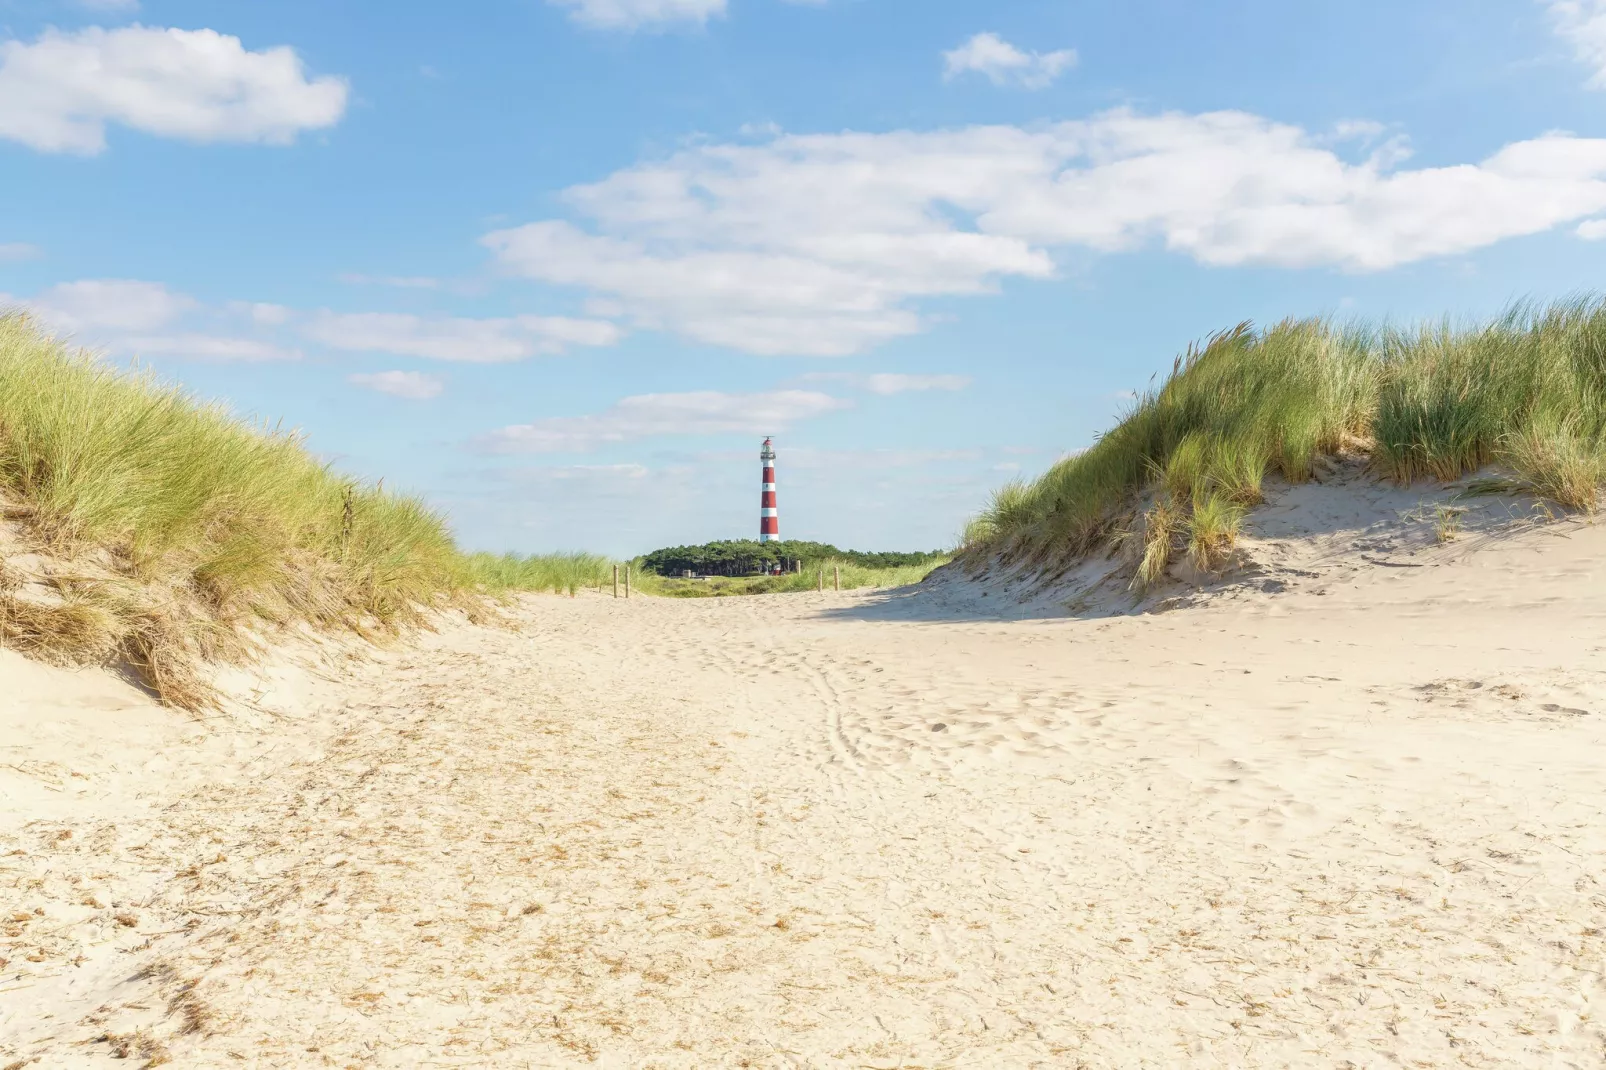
<point>1360,825</point>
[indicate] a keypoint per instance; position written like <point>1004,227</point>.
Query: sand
<point>1345,810</point>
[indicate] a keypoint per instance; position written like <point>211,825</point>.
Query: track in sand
<point>1353,824</point>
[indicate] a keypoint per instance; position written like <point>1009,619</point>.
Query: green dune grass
<point>1526,391</point>
<point>171,522</point>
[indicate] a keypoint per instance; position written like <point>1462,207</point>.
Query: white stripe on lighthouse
<point>769,512</point>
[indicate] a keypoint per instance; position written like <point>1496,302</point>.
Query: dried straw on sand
<point>1358,821</point>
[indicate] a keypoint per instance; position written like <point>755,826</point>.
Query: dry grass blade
<point>66,632</point>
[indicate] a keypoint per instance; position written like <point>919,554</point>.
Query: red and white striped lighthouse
<point>769,519</point>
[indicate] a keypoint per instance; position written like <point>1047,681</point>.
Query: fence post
<point>822,579</point>
<point>627,581</point>
<point>616,581</point>
<point>836,576</point>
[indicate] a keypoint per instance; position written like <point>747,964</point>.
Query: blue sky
<point>559,265</point>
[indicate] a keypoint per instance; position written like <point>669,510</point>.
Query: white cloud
<point>138,318</point>
<point>824,244</point>
<point>1003,64</point>
<point>634,14</point>
<point>484,341</point>
<point>702,412</point>
<point>415,386</point>
<point>264,314</point>
<point>1592,229</point>
<point>1583,24</point>
<point>13,251</point>
<point>204,347</point>
<point>99,305</point>
<point>58,93</point>
<point>889,383</point>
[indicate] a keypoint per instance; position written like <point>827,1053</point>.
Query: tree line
<point>747,557</point>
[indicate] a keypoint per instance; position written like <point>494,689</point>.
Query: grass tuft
<point>1213,530</point>
<point>1526,391</point>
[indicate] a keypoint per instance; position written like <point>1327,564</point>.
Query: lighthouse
<point>769,519</point>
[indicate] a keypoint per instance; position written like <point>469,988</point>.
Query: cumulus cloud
<point>102,305</point>
<point>635,14</point>
<point>1592,229</point>
<point>702,412</point>
<point>1003,64</point>
<point>59,93</point>
<point>414,386</point>
<point>825,244</point>
<point>482,341</point>
<point>139,318</point>
<point>1582,23</point>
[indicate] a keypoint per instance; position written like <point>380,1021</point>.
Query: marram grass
<point>1526,391</point>
<point>556,573</point>
<point>171,522</point>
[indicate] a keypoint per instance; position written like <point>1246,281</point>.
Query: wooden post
<point>616,581</point>
<point>627,581</point>
<point>836,576</point>
<point>822,579</point>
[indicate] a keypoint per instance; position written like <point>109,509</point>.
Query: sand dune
<point>1350,817</point>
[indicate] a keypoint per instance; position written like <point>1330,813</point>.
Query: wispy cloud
<point>13,251</point>
<point>198,346</point>
<point>637,14</point>
<point>138,318</point>
<point>1002,63</point>
<point>1583,24</point>
<point>701,412</point>
<point>886,383</point>
<point>414,386</point>
<point>481,341</point>
<point>58,93</point>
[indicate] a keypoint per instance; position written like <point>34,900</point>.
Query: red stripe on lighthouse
<point>769,520</point>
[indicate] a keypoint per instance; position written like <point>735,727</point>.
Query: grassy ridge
<point>171,522</point>
<point>1526,391</point>
<point>573,572</point>
<point>554,573</point>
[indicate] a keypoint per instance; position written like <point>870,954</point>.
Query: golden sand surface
<point>1354,819</point>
